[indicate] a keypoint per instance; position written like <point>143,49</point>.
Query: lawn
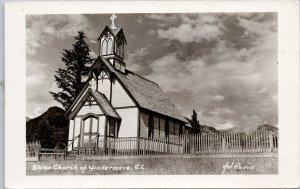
<point>157,165</point>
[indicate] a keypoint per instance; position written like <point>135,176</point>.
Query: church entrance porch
<point>89,130</point>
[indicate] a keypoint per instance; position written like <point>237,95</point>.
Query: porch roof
<point>105,105</point>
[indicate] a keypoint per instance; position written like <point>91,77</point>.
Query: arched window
<point>180,130</point>
<point>104,47</point>
<point>167,128</point>
<point>109,47</point>
<point>150,127</point>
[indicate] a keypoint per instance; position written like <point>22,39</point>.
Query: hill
<point>50,128</point>
<point>266,127</point>
<point>238,129</point>
<point>208,129</point>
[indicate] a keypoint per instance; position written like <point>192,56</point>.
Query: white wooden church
<point>116,102</point>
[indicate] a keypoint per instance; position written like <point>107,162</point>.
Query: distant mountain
<point>50,128</point>
<point>266,127</point>
<point>237,129</point>
<point>208,129</point>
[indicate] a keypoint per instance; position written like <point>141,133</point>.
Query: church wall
<point>104,87</point>
<point>159,126</point>
<point>77,128</point>
<point>95,109</point>
<point>101,124</point>
<point>129,122</point>
<point>144,124</point>
<point>70,136</point>
<point>120,98</point>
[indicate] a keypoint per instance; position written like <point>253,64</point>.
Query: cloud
<point>230,85</point>
<point>92,54</point>
<point>37,86</point>
<point>134,60</point>
<point>42,30</point>
<point>193,29</point>
<point>218,98</point>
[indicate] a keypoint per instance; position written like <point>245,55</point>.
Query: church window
<point>180,130</point>
<point>112,128</point>
<point>109,47</point>
<point>150,126</point>
<point>106,46</point>
<point>167,128</point>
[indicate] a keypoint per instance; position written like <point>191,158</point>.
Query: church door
<point>89,130</point>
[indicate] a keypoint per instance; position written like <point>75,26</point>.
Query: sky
<point>224,66</point>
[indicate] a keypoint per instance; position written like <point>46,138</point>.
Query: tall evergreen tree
<point>194,122</point>
<point>69,79</point>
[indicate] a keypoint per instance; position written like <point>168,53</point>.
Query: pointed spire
<point>112,18</point>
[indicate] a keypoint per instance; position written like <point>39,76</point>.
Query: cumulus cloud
<point>192,29</point>
<point>246,77</point>
<point>42,30</point>
<point>134,59</point>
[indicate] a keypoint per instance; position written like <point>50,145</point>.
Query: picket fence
<point>205,143</point>
<point>32,149</point>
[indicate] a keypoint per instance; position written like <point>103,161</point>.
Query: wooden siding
<point>95,109</point>
<point>158,131</point>
<point>129,124</point>
<point>77,128</point>
<point>71,130</point>
<point>104,87</point>
<point>120,97</point>
<point>71,134</point>
<point>101,124</point>
<point>144,125</point>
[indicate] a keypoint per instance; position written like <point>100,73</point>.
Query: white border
<point>15,86</point>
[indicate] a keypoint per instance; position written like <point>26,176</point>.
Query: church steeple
<point>112,43</point>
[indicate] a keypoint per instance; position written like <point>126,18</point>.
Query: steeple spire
<point>112,18</point>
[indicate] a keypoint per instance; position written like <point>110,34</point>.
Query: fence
<point>32,149</point>
<point>205,143</point>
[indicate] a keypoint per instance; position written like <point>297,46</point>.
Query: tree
<point>69,79</point>
<point>194,122</point>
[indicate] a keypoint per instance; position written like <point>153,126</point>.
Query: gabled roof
<point>145,93</point>
<point>101,101</point>
<point>115,32</point>
<point>104,104</point>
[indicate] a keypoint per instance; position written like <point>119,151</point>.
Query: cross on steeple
<point>112,18</point>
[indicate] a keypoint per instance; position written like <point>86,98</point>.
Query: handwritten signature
<point>236,166</point>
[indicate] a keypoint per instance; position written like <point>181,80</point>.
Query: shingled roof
<point>146,94</point>
<point>105,104</point>
<point>100,99</point>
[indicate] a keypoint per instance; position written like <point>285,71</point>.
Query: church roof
<point>145,93</point>
<point>105,104</point>
<point>115,32</point>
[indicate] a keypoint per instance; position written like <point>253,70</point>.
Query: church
<point>118,103</point>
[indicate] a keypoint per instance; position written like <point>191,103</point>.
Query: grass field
<point>157,165</point>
